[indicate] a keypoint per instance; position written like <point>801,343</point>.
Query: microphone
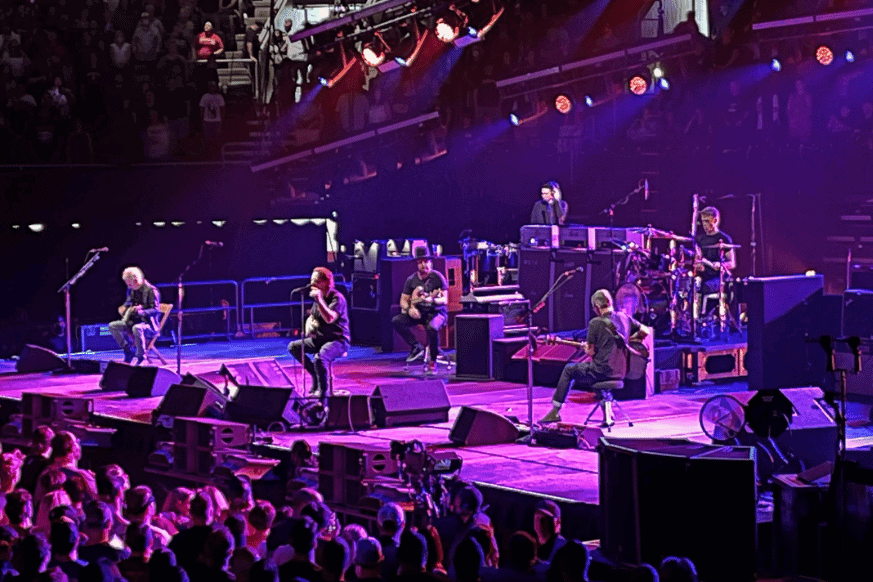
<point>213,244</point>
<point>726,196</point>
<point>100,250</point>
<point>301,289</point>
<point>572,272</point>
<point>646,189</point>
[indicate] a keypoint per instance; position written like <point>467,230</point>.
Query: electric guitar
<point>637,355</point>
<point>421,297</point>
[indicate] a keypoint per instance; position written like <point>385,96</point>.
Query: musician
<point>137,315</point>
<point>423,302</point>
<point>608,356</point>
<point>709,269</point>
<point>552,209</point>
<point>326,329</point>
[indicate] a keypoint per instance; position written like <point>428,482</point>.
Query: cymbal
<point>652,232</point>
<point>679,238</point>
<point>722,246</point>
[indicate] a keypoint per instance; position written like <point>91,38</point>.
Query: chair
<point>158,325</point>
<point>606,403</point>
<point>441,360</point>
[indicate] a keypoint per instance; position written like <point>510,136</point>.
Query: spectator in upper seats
<point>209,47</point>
<point>260,519</point>
<point>140,508</point>
<point>16,59</point>
<point>252,43</point>
<point>154,21</point>
<point>675,569</point>
<point>214,560</point>
<point>64,540</point>
<point>19,511</point>
<point>368,560</point>
<point>188,544</point>
<point>31,556</point>
<point>119,52</point>
<point>569,564</point>
<point>176,508</point>
<point>80,145</point>
<point>333,557</point>
<point>146,42</point>
<point>212,115</point>
<point>521,564</point>
<point>547,526</point>
<point>139,539</point>
<point>7,37</point>
<point>101,543</point>
<point>36,462</point>
<point>469,561</point>
<point>391,521</point>
<point>688,26</point>
<point>302,564</point>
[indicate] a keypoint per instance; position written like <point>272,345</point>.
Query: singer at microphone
<point>300,289</point>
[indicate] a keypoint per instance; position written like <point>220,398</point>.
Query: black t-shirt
<point>93,553</point>
<point>252,37</point>
<point>433,281</point>
<point>545,213</point>
<point>188,544</point>
<point>713,255</point>
<point>339,329</point>
<point>609,361</point>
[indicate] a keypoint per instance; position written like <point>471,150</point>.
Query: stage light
<point>589,101</point>
<point>160,224</point>
<point>339,70</point>
<point>657,72</point>
<point>449,24</point>
<point>219,223</point>
<point>177,223</point>
<point>563,103</point>
<point>483,17</point>
<point>824,55</point>
<point>638,85</point>
<point>36,227</point>
<point>76,225</point>
<point>776,65</point>
<point>411,44</point>
<point>514,119</point>
<point>374,51</point>
<point>850,57</point>
<point>445,31</point>
<point>664,84</point>
<point>259,221</point>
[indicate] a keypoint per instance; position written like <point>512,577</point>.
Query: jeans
<point>578,375</point>
<point>123,331</point>
<point>432,324</point>
<point>325,354</point>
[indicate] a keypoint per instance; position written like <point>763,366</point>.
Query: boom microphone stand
<point>179,296</point>
<point>65,289</point>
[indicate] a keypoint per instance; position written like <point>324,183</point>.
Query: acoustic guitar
<point>637,355</point>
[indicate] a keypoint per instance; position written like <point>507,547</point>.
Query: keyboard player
<point>552,209</point>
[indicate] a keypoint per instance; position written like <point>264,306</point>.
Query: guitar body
<point>637,356</point>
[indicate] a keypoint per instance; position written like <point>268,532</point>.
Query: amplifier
<point>713,363</point>
<point>96,338</point>
<point>576,236</point>
<point>602,236</point>
<point>539,235</point>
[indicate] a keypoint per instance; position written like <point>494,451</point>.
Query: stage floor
<point>566,474</point>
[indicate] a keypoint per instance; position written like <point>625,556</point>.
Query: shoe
<point>430,368</point>
<point>554,415</point>
<point>315,393</point>
<point>416,353</point>
<point>137,360</point>
<point>129,355</point>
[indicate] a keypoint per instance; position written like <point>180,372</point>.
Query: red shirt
<point>208,45</point>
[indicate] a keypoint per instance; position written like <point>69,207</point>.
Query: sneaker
<point>315,393</point>
<point>416,353</point>
<point>554,415</point>
<point>430,368</point>
<point>137,360</point>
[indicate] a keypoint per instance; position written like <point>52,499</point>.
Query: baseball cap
<point>548,507</point>
<point>393,512</point>
<point>368,552</point>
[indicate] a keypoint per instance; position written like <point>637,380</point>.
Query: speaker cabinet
<point>672,497</point>
<point>782,314</point>
<point>267,407</point>
<point>37,359</point>
<point>343,467</point>
<point>196,440</point>
<point>858,313</point>
<point>413,402</point>
<point>535,276</point>
<point>138,381</point>
<point>349,412</point>
<point>38,408</point>
<point>257,373</point>
<point>189,401</point>
<point>474,427</point>
<point>474,334</point>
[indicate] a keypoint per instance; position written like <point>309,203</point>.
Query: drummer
<point>714,261</point>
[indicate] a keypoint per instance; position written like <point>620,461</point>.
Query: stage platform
<point>566,475</point>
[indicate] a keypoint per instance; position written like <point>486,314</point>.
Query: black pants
<point>579,376</point>
<point>325,353</point>
<point>432,324</point>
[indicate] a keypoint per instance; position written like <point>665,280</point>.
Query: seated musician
<point>326,329</point>
<point>709,260</point>
<point>423,302</point>
<point>551,209</point>
<point>137,316</point>
<point>606,345</point>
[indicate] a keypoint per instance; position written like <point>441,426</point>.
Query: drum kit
<point>660,287</point>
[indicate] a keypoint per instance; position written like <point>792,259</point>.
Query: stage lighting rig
<point>343,62</point>
<point>450,24</point>
<point>412,39</point>
<point>374,52</point>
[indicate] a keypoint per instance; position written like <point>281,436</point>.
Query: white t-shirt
<point>211,103</point>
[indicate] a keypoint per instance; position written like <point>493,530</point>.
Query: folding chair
<point>158,325</point>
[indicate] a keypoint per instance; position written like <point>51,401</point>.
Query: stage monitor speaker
<point>267,407</point>
<point>474,427</point>
<point>413,402</point>
<point>349,412</point>
<point>138,381</point>
<point>783,312</point>
<point>535,276</point>
<point>256,373</point>
<point>342,467</point>
<point>38,359</point>
<point>474,334</point>
<point>572,300</point>
<point>189,401</point>
<point>672,497</point>
<point>858,313</point>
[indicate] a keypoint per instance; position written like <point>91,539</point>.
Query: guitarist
<point>137,315</point>
<point>423,302</point>
<point>606,344</point>
<point>709,266</point>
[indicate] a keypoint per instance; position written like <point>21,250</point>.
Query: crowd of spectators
<point>63,522</point>
<point>114,81</point>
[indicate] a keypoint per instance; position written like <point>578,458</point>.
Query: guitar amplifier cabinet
<point>713,363</point>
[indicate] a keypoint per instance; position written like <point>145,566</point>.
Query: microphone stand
<point>302,339</point>
<point>181,294</point>
<point>532,345</point>
<point>610,211</point>
<point>65,289</point>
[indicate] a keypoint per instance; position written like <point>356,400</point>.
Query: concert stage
<point>514,473</point>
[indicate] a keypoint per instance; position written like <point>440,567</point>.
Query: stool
<point>441,360</point>
<point>606,403</point>
<point>330,391</point>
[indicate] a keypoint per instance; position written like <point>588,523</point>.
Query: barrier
<point>231,309</point>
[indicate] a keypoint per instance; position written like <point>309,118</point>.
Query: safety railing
<point>262,293</point>
<point>196,301</point>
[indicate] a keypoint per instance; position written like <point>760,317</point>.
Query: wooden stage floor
<point>566,474</point>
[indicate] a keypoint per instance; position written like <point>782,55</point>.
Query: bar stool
<point>606,403</point>
<point>441,360</point>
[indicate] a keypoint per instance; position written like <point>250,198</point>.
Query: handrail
<point>249,308</point>
<point>208,309</point>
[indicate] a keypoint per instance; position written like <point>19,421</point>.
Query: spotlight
<point>824,55</point>
<point>657,72</point>
<point>411,44</point>
<point>638,85</point>
<point>514,120</point>
<point>563,103</point>
<point>36,227</point>
<point>449,25</point>
<point>664,84</point>
<point>374,51</point>
<point>339,70</point>
<point>850,57</point>
<point>776,65</point>
<point>589,101</point>
<point>483,16</point>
